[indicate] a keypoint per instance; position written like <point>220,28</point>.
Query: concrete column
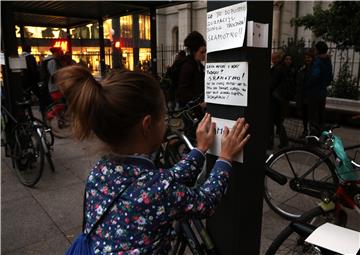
<point>184,21</point>
<point>136,35</point>
<point>12,78</point>
<point>276,23</point>
<point>116,53</point>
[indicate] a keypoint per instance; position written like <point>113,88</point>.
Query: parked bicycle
<point>331,209</point>
<point>298,177</point>
<point>27,142</point>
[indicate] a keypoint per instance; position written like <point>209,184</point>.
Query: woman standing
<point>191,77</point>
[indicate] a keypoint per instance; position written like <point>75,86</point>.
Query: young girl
<point>126,111</point>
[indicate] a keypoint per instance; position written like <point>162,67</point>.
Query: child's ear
<point>146,124</point>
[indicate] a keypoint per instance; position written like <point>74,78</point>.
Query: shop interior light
<point>117,44</point>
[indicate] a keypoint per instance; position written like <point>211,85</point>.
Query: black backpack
<point>44,71</point>
<point>173,72</point>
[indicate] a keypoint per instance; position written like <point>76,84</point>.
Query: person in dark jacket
<point>281,89</point>
<point>302,77</point>
<point>315,89</point>
<point>191,78</point>
<point>31,76</point>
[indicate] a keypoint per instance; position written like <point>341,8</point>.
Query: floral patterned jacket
<point>140,222</point>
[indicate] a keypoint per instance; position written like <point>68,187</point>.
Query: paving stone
<point>64,205</point>
<point>24,222</point>
<point>54,246</point>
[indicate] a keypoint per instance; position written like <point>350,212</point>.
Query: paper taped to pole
<point>220,126</point>
<point>226,27</point>
<point>226,83</point>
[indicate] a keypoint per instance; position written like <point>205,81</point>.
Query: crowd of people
<point>307,86</point>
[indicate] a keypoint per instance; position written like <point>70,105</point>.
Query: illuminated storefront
<point>84,42</point>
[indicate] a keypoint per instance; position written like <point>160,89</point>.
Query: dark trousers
<point>305,117</point>
<point>277,110</point>
<point>316,114</point>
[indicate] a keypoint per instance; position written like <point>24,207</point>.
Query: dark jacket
<point>191,81</point>
<point>283,82</point>
<point>320,78</point>
<point>302,78</point>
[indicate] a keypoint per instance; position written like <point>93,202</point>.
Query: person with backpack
<point>190,82</point>
<point>49,90</point>
<point>315,88</point>
<point>171,79</point>
<point>130,205</point>
<point>31,75</point>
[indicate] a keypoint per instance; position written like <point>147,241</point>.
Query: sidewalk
<point>45,219</point>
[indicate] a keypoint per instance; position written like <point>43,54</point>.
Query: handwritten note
<point>226,83</point>
<point>226,27</point>
<point>220,126</point>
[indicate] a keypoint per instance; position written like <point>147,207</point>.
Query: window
<point>126,26</point>
<point>144,27</point>
<point>175,38</point>
<point>41,32</point>
<point>128,58</point>
<point>108,29</point>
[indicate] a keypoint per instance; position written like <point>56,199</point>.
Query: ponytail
<point>110,109</point>
<point>83,94</point>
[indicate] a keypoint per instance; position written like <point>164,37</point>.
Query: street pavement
<point>45,219</point>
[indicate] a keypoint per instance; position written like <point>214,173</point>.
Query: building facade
<point>175,22</point>
<point>127,35</point>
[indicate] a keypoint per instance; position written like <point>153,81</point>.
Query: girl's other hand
<point>232,142</point>
<point>205,133</point>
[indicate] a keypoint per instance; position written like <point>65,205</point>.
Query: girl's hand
<point>205,133</point>
<point>232,142</point>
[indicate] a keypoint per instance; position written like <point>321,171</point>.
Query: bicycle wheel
<point>289,242</point>
<point>175,149</point>
<point>292,162</point>
<point>28,154</point>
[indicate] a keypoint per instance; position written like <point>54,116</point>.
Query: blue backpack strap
<point>106,210</point>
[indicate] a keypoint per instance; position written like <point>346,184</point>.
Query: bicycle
<point>301,175</point>
<point>57,118</point>
<point>190,232</point>
<point>27,143</point>
<point>292,238</point>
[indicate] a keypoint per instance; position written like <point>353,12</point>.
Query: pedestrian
<point>171,79</point>
<point>302,78</point>
<point>191,77</point>
<point>31,76</point>
<point>126,112</point>
<point>315,89</point>
<point>282,81</point>
<point>50,89</point>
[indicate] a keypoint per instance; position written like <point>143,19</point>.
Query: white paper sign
<point>226,27</point>
<point>226,83</point>
<point>216,147</point>
<point>16,63</point>
<point>2,58</point>
<point>335,238</point>
<point>257,34</point>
